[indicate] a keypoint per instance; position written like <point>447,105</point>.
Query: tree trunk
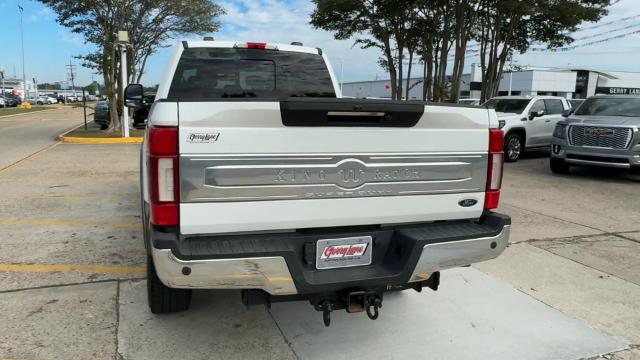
<point>409,74</point>
<point>391,67</point>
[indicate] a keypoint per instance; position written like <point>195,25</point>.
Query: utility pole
<point>123,41</point>
<point>72,76</point>
<point>24,77</point>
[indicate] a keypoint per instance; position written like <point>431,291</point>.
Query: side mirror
<point>566,113</point>
<point>133,95</point>
<point>535,114</point>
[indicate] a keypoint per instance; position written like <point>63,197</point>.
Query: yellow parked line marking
<point>43,268</point>
<point>80,140</point>
<point>62,197</point>
<point>66,222</point>
<point>28,157</point>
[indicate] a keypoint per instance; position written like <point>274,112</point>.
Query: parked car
<point>11,100</point>
<point>45,100</point>
<point>289,192</point>
<point>102,114</point>
<point>2,102</point>
<point>527,122</point>
<point>604,131</point>
<point>473,102</point>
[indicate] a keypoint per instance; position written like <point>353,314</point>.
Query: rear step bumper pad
<point>429,248</point>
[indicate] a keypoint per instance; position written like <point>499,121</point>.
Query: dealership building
<point>568,83</point>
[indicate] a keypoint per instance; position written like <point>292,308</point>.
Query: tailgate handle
<point>355,117</point>
<point>355,113</point>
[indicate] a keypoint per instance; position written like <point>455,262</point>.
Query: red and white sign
<point>343,251</point>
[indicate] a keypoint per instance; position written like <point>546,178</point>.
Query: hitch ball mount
<point>357,301</point>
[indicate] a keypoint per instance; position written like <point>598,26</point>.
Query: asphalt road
<point>23,135</point>
<point>72,276</point>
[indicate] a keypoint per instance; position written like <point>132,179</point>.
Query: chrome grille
<point>600,136</point>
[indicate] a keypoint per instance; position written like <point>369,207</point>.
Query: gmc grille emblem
<point>599,132</point>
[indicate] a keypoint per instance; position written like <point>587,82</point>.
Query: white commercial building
<point>16,87</point>
<point>568,83</point>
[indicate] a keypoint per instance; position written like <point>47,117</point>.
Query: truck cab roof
<point>248,44</point>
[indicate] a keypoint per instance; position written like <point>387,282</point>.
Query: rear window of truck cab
<point>206,74</point>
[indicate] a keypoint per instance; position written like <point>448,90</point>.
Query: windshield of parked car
<point>214,73</point>
<point>610,107</point>
<point>507,105</point>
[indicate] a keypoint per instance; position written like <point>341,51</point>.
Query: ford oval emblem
<point>467,202</point>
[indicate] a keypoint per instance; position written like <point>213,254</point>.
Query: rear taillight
<point>163,176</point>
<point>494,169</point>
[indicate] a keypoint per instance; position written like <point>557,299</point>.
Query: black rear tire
<point>163,299</point>
<point>513,147</point>
<point>558,166</point>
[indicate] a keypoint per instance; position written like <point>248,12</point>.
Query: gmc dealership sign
<point>617,91</point>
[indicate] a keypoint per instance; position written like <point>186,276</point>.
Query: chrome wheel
<point>514,148</point>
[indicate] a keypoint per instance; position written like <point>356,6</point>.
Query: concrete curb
<point>80,140</point>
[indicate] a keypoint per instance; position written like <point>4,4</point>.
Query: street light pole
<point>123,40</point>
<point>24,77</point>
<point>123,75</point>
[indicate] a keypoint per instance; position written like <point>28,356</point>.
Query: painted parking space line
<point>67,222</point>
<point>67,268</point>
<point>29,157</point>
<point>64,197</point>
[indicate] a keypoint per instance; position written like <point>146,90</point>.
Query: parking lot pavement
<point>217,326</point>
<point>470,317</point>
<point>76,322</point>
<point>70,210</point>
<point>25,134</point>
<point>72,268</point>
<point>603,200</point>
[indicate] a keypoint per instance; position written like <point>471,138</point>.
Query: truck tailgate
<point>243,169</point>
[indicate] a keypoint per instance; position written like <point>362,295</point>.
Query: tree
<point>382,24</point>
<point>150,24</point>
<point>443,25</point>
<point>507,26</point>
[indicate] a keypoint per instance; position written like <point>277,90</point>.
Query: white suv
<point>527,122</point>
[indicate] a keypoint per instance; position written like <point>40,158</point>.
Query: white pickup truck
<point>256,175</point>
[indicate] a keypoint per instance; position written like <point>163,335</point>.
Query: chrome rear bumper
<point>438,249</point>
<point>451,254</point>
<point>266,273</point>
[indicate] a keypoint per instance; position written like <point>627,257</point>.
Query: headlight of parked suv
<point>559,131</point>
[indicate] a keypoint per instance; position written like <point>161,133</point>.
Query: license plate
<point>344,252</point>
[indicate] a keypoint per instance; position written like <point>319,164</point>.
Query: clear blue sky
<point>49,47</point>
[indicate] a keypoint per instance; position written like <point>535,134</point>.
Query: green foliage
<point>508,26</point>
<point>150,23</point>
<point>433,28</point>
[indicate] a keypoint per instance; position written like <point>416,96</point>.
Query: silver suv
<point>603,131</point>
